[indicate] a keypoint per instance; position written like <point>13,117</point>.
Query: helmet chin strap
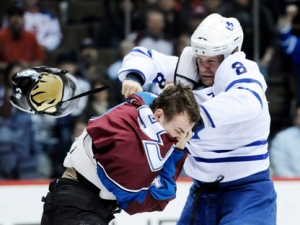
<point>93,91</point>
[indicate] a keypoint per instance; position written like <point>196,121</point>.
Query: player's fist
<point>129,87</point>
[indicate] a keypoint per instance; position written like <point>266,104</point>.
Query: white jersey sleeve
<point>238,93</point>
<point>154,67</point>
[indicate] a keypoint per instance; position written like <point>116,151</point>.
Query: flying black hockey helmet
<point>44,90</point>
<point>217,35</point>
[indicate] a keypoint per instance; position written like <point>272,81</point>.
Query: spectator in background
<point>16,44</point>
<point>43,23</point>
<point>212,6</point>
<point>88,60</point>
<point>174,23</point>
<point>19,148</point>
<point>47,137</point>
<point>97,105</point>
<point>154,37</point>
<point>285,149</point>
<point>90,68</point>
<point>79,125</point>
<point>117,18</point>
<point>183,41</point>
<point>243,11</point>
<point>194,20</point>
<point>290,43</point>
<point>125,46</point>
<point>275,7</point>
<point>99,102</point>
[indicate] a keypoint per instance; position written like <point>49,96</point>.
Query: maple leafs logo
<point>229,25</point>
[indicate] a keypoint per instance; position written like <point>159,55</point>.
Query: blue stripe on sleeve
<point>255,94</point>
<point>244,80</point>
<point>139,51</point>
<point>208,116</point>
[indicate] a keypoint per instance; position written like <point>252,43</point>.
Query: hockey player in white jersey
<point>228,157</point>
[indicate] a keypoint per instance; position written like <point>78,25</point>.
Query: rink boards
<point>20,204</point>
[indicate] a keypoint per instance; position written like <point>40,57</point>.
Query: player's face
<point>178,127</point>
<point>208,66</point>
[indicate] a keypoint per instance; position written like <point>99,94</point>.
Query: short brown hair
<point>177,99</point>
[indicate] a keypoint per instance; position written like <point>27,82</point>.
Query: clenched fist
<point>129,87</point>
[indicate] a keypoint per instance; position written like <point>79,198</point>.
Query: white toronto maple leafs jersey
<point>233,140</point>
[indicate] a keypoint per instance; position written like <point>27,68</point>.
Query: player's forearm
<point>150,65</point>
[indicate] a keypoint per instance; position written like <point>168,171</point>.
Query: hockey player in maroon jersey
<point>129,158</point>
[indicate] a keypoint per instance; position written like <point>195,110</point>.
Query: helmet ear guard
<point>217,35</point>
<point>44,90</point>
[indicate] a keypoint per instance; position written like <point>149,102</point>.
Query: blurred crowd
<point>89,38</point>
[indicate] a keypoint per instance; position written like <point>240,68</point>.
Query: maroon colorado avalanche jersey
<point>137,159</point>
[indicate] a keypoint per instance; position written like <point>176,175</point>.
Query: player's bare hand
<point>129,87</point>
<point>181,144</point>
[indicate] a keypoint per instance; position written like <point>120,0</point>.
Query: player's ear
<point>158,113</point>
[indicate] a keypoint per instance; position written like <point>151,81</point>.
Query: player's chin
<point>208,81</point>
